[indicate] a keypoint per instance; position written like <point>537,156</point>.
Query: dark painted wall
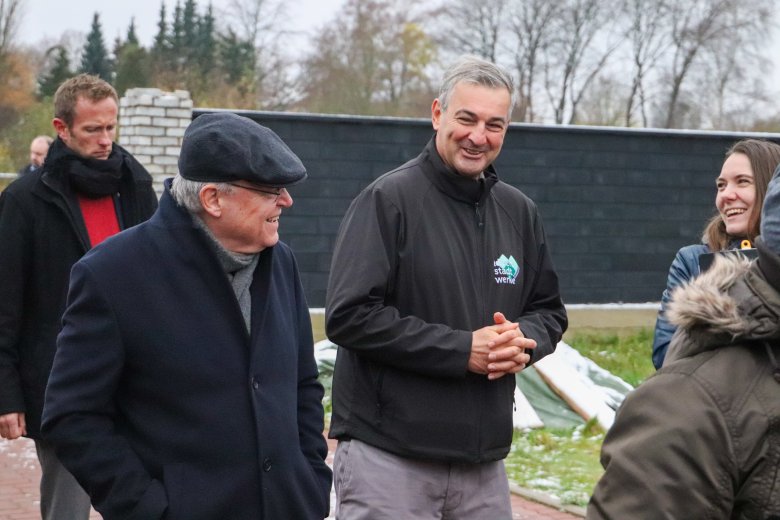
<point>616,203</point>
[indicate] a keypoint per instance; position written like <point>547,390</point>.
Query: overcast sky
<point>48,19</point>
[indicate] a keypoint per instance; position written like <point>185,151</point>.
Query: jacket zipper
<point>379,383</point>
<point>481,276</point>
<point>480,254</point>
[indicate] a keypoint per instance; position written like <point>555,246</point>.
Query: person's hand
<point>484,340</point>
<point>499,349</point>
<point>12,425</point>
<point>512,357</point>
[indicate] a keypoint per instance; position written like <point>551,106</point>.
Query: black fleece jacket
<point>423,258</point>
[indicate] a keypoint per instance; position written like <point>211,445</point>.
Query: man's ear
<point>60,127</point>
<point>211,200</point>
<point>436,113</point>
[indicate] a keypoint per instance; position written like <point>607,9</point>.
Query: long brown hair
<point>764,156</point>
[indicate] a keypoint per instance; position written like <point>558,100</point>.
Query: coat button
<point>255,383</point>
<point>267,465</point>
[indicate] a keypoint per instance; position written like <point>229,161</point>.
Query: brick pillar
<point>151,127</point>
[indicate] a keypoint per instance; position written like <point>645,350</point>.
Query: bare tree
<point>695,24</point>
<point>734,72</point>
<point>731,85</point>
<point>10,18</point>
<point>262,22</point>
<point>603,102</point>
<point>405,64</point>
<point>345,63</point>
<point>471,27</point>
<point>649,38</point>
<point>17,79</point>
<point>371,59</point>
<point>572,60</point>
<point>532,27</point>
<point>699,25</point>
<point>257,20</point>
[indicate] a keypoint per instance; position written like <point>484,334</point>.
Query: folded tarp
<point>560,391</point>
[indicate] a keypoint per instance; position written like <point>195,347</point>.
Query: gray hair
<point>45,138</point>
<point>477,71</point>
<point>186,193</point>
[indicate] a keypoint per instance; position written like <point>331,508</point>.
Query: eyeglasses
<point>273,195</point>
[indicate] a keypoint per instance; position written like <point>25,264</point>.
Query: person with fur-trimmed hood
<point>701,438</point>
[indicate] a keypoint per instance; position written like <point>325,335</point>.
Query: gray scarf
<point>239,268</point>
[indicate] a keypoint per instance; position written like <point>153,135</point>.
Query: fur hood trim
<point>706,301</point>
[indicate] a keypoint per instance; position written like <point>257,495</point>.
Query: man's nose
<point>285,199</point>
<point>105,138</point>
<point>478,135</point>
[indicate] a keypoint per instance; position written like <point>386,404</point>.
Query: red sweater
<point>99,217</point>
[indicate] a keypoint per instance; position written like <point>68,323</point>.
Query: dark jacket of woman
<point>685,267</point>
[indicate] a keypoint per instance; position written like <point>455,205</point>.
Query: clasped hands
<point>499,349</point>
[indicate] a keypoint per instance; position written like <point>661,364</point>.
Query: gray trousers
<point>62,498</point>
<point>373,484</point>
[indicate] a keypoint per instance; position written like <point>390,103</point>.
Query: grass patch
<point>626,356</point>
<point>565,463</point>
<point>561,463</point>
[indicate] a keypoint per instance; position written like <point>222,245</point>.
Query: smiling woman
<point>741,187</point>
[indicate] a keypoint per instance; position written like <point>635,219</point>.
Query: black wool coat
<point>42,234</point>
<point>163,406</point>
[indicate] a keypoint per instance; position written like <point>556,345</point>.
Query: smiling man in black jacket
<point>441,289</point>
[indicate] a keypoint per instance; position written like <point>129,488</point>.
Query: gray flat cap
<point>225,147</point>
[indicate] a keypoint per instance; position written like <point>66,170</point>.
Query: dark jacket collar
<point>169,213</point>
<point>453,184</point>
<point>135,191</point>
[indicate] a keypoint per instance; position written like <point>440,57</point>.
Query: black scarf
<point>91,177</point>
<point>97,178</point>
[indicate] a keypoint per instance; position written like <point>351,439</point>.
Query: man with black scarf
<point>88,189</point>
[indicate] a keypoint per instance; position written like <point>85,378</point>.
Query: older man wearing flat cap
<point>184,384</point>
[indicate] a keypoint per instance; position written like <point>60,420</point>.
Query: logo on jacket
<point>506,270</point>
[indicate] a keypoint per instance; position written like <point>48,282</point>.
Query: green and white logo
<point>506,270</point>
